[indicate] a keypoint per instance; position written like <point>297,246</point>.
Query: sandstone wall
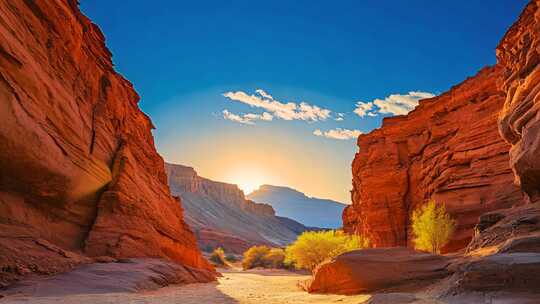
<point>447,149</point>
<point>518,55</point>
<point>78,165</point>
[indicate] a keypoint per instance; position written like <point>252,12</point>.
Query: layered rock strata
<point>448,149</point>
<point>79,171</point>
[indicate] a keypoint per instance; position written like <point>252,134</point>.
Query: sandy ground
<point>257,287</point>
<point>244,287</point>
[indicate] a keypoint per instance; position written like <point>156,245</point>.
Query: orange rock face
<point>519,56</point>
<point>447,149</point>
<point>368,270</point>
<point>78,166</point>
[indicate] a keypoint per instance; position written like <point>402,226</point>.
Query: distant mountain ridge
<point>293,204</point>
<point>220,214</point>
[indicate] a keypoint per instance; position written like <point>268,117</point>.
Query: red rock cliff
<point>519,56</point>
<point>447,149</point>
<point>78,166</point>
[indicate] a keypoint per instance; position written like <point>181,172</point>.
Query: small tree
<point>313,247</point>
<point>432,227</point>
<point>218,257</point>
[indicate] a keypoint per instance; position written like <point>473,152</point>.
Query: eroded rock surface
<point>127,275</point>
<point>78,165</point>
<point>370,270</point>
<point>447,149</point>
<point>519,55</point>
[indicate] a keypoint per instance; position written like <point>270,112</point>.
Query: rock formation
<point>502,261</point>
<point>221,215</point>
<point>79,173</point>
<point>368,270</point>
<point>519,122</point>
<point>310,211</point>
<point>447,149</point>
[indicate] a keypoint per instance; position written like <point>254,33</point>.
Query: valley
<point>444,188</point>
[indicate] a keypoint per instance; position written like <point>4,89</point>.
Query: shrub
<point>313,247</point>
<point>275,258</point>
<point>263,256</point>
<point>254,257</point>
<point>218,257</point>
<point>432,227</point>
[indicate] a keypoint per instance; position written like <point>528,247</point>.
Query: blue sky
<point>182,56</point>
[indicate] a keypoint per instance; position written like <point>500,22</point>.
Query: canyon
<point>80,177</point>
<point>85,196</point>
<point>221,216</point>
<point>469,168</point>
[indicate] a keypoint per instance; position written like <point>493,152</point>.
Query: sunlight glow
<point>248,179</point>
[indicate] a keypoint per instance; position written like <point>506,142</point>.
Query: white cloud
<point>396,104</point>
<point>338,133</point>
<point>364,108</point>
<point>247,119</point>
<point>285,111</point>
<point>340,117</point>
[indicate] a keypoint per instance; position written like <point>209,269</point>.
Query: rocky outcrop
<point>519,56</point>
<point>369,270</point>
<point>79,171</point>
<point>504,256</point>
<point>122,276</point>
<point>221,215</point>
<point>310,211</point>
<point>447,149</point>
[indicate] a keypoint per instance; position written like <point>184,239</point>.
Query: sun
<point>248,186</point>
<point>248,179</point>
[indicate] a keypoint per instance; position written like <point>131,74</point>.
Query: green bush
<point>218,257</point>
<point>313,247</point>
<point>432,227</point>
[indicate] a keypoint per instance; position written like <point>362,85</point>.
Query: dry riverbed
<point>257,287</point>
<point>235,286</point>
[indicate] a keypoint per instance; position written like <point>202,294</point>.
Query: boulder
<point>375,270</point>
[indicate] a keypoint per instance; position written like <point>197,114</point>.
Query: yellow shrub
<point>313,247</point>
<point>254,257</point>
<point>275,258</point>
<point>432,227</point>
<point>218,257</point>
<point>263,256</point>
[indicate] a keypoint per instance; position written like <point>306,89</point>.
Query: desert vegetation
<point>314,247</point>
<point>432,227</point>
<point>218,258</point>
<point>263,256</point>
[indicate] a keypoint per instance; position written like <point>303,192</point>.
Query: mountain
<point>80,176</point>
<point>221,215</point>
<point>296,205</point>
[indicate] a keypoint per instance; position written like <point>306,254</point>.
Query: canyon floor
<point>235,286</point>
